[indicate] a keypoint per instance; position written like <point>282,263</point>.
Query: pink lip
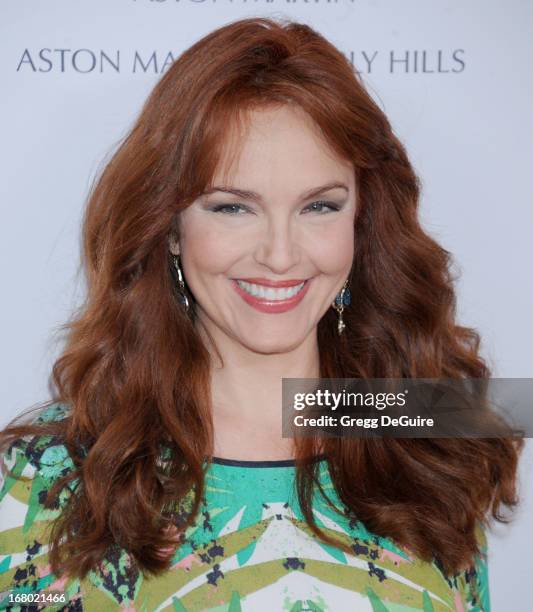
<point>270,283</point>
<point>271,306</point>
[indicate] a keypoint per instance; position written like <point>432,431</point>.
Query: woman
<point>259,188</point>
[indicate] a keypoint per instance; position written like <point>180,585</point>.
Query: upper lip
<point>271,283</point>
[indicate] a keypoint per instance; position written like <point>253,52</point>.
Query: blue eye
<point>331,206</point>
<point>227,208</point>
<point>234,209</point>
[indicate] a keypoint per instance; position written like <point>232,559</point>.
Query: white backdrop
<point>454,78</point>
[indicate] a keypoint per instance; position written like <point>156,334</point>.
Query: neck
<point>246,393</point>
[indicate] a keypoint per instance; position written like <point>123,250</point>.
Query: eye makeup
<point>234,208</point>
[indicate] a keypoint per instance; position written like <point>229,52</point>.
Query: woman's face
<point>236,247</point>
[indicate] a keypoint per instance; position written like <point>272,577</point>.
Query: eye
<point>321,206</point>
<point>318,207</point>
<point>228,209</point>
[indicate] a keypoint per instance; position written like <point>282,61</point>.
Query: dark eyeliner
<point>222,207</point>
<point>332,206</point>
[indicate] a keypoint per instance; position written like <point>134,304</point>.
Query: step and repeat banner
<point>453,77</point>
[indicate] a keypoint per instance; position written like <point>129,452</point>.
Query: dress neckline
<point>261,464</point>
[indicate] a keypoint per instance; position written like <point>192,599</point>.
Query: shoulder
<point>481,569</point>
<point>28,469</point>
<point>36,455</point>
<point>474,582</point>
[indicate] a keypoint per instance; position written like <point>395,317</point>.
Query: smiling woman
<point>249,253</point>
<point>259,222</point>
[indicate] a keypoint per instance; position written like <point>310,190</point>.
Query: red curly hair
<point>135,373</point>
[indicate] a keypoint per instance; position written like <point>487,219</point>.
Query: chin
<point>270,346</point>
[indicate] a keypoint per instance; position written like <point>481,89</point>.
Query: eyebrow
<point>252,195</point>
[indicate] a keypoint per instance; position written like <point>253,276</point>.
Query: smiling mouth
<point>272,294</point>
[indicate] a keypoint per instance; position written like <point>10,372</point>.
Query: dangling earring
<point>183,297</point>
<point>342,299</point>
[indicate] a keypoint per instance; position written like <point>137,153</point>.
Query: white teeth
<point>270,293</point>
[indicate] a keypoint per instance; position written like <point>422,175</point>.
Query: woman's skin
<point>281,236</point>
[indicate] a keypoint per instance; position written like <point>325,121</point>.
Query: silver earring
<point>183,297</point>
<point>342,299</point>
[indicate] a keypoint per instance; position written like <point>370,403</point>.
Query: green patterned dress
<point>250,549</point>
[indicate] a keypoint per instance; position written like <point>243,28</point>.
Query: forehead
<point>278,147</point>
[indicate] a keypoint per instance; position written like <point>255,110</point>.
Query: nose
<point>276,247</point>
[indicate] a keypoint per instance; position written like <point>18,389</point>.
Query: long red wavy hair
<point>135,373</point>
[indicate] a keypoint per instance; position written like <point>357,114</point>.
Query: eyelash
<point>221,207</point>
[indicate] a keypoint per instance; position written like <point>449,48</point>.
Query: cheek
<point>332,249</point>
<point>207,248</point>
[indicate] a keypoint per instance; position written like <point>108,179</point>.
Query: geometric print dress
<point>249,550</point>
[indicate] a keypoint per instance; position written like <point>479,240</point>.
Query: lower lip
<point>272,306</point>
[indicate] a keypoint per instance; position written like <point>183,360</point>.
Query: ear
<point>173,245</point>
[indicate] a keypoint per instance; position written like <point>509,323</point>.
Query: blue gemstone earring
<point>342,299</point>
